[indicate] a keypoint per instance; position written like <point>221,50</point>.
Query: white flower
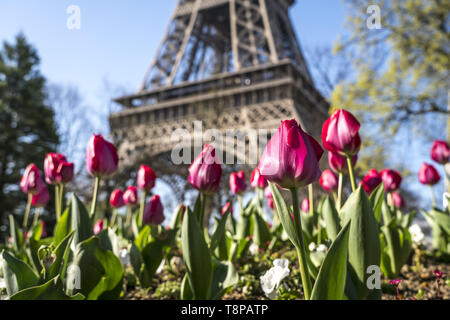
<point>176,263</point>
<point>2,283</point>
<point>322,248</point>
<point>124,257</point>
<point>416,233</point>
<point>445,200</point>
<point>254,249</point>
<point>271,280</point>
<point>312,246</point>
<point>161,267</point>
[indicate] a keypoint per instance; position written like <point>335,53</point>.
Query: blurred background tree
<point>27,126</point>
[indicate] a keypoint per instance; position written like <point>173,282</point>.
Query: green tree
<point>27,127</point>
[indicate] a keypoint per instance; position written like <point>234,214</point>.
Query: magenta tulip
<point>146,178</point>
<point>130,196</point>
<point>257,180</point>
<point>98,226</point>
<point>65,172</point>
<point>428,175</point>
<point>270,201</point>
<point>226,207</point>
<point>340,133</point>
<point>51,166</point>
<point>305,205</point>
<point>268,192</point>
<point>154,211</point>
<point>101,157</point>
<point>338,163</point>
<point>31,181</point>
<point>440,152</point>
<point>371,180</point>
<point>391,179</point>
<point>291,158</point>
<point>116,199</point>
<point>397,200</point>
<point>41,199</point>
<point>238,185</point>
<point>328,181</point>
<point>206,171</point>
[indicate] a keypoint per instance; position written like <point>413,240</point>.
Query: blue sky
<point>118,40</point>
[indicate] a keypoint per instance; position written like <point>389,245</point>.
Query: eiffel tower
<point>232,64</point>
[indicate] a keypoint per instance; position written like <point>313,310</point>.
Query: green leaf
<point>81,221</point>
<point>61,252</point>
<point>376,199</point>
<point>18,275</point>
<point>224,276</point>
<point>51,290</point>
<point>261,232</point>
<point>364,241</point>
<point>137,262</point>
<point>63,227</point>
<point>219,232</point>
<point>185,290</point>
<point>15,233</point>
<point>196,256</point>
<point>330,283</point>
<point>442,219</point>
<point>143,238</point>
<point>331,218</point>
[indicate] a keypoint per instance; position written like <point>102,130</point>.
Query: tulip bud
<point>328,181</point>
<point>31,181</point>
<point>154,211</point>
<point>257,180</point>
<point>146,178</point>
<point>371,180</point>
<point>238,184</point>
<point>391,179</point>
<point>440,152</point>
<point>338,163</point>
<point>396,200</point>
<point>428,175</point>
<point>130,196</point>
<point>305,205</point>
<point>291,158</point>
<point>101,157</point>
<point>98,227</point>
<point>226,207</point>
<point>116,199</point>
<point>41,199</point>
<point>268,192</point>
<point>51,165</point>
<point>206,171</point>
<point>270,201</point>
<point>340,133</point>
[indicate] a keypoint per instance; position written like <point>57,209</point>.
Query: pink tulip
<point>154,211</point>
<point>65,172</point>
<point>371,180</point>
<point>116,199</point>
<point>41,199</point>
<point>257,180</point>
<point>338,163</point>
<point>51,165</point>
<point>31,181</point>
<point>440,152</point>
<point>206,171</point>
<point>305,205</point>
<point>226,207</point>
<point>101,157</point>
<point>130,196</point>
<point>428,175</point>
<point>340,133</point>
<point>268,192</point>
<point>397,200</point>
<point>146,178</point>
<point>270,201</point>
<point>291,158</point>
<point>392,179</point>
<point>98,227</point>
<point>238,185</point>
<point>328,181</point>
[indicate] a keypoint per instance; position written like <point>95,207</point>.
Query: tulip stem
<point>27,210</point>
<point>339,196</point>
<point>351,172</point>
<point>301,253</point>
<point>240,203</point>
<point>202,209</point>
<point>142,206</point>
<point>36,216</point>
<point>94,199</point>
<point>58,213</point>
<point>433,199</point>
<point>311,199</point>
<point>129,214</point>
<point>61,199</point>
<point>113,218</point>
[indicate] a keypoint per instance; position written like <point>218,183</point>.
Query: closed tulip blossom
<point>440,152</point>
<point>428,175</point>
<point>305,205</point>
<point>397,200</point>
<point>31,181</point>
<point>270,202</point>
<point>340,133</point>
<point>257,180</point>
<point>101,157</point>
<point>154,211</point>
<point>391,179</point>
<point>41,199</point>
<point>98,227</point>
<point>65,172</point>
<point>130,196</point>
<point>268,192</point>
<point>146,178</point>
<point>238,185</point>
<point>338,163</point>
<point>206,171</point>
<point>51,165</point>
<point>291,158</point>
<point>328,181</point>
<point>371,180</point>
<point>116,199</point>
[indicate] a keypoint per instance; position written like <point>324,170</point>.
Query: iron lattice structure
<point>232,64</point>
